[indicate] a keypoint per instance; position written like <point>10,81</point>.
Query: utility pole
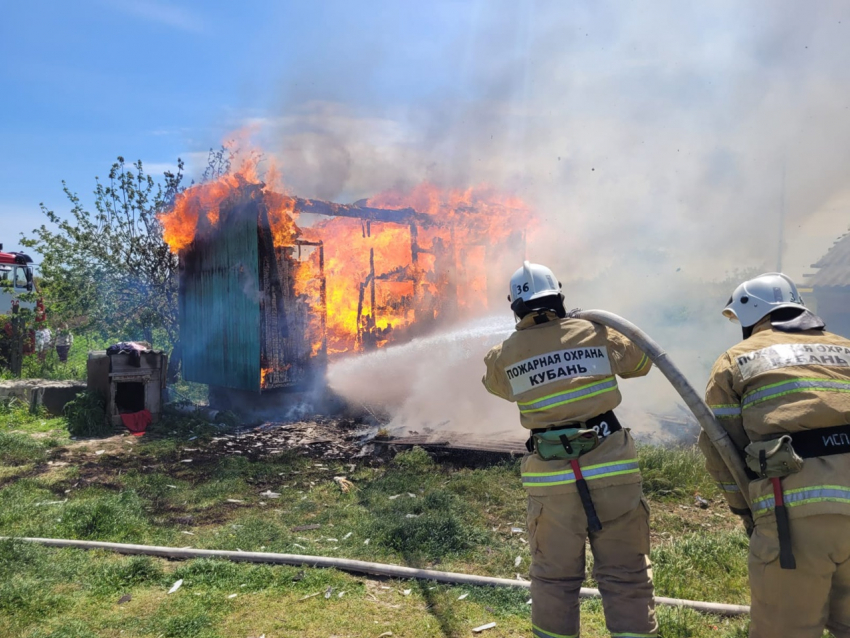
<point>781,248</point>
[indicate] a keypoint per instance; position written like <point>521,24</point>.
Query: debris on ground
<point>489,625</point>
<point>700,502</point>
<point>126,598</point>
<point>344,484</point>
<point>326,438</point>
<point>305,528</point>
<point>176,586</point>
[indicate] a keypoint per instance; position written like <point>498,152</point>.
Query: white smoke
<point>663,145</point>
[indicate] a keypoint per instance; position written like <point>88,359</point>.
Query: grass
<point>411,511</point>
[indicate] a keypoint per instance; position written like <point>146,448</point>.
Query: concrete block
<point>53,395</point>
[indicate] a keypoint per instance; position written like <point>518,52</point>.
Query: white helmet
<point>533,281</point>
<point>755,299</point>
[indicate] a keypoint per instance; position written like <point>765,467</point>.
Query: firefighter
<point>581,472</point>
<point>783,394</point>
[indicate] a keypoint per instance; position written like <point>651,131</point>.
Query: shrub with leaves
<point>86,415</point>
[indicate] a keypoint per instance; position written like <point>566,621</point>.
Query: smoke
<point>429,383</point>
<point>664,146</point>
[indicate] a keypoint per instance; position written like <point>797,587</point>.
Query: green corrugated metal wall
<point>220,306</point>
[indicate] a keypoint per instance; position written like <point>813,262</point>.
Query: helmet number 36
<point>521,289</point>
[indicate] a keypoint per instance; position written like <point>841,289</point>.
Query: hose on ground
<point>715,432</point>
<point>356,566</point>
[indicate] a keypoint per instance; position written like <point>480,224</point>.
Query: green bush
<point>86,415</point>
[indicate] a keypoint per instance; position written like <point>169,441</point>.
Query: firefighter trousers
<point>557,534</point>
<point>801,602</point>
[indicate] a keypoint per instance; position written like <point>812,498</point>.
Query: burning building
<point>272,285</point>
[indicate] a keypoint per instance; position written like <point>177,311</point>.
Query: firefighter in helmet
<point>581,472</point>
<point>783,394</point>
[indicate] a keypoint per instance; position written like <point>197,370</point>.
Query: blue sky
<point>86,81</point>
<point>657,130</point>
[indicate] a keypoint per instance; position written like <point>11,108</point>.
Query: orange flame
<point>446,280</point>
<point>379,281</point>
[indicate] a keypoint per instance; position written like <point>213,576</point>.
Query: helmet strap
<point>540,317</point>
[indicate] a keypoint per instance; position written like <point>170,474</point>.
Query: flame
<point>197,210</point>
<point>446,280</point>
<point>369,283</point>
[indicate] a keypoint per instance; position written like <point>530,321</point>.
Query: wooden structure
<point>239,314</point>
<point>242,325</point>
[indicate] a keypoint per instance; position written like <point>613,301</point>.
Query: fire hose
<point>715,432</point>
<point>358,567</point>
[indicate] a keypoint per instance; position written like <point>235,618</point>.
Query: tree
<point>109,271</point>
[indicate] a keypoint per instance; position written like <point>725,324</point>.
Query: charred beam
<point>388,215</point>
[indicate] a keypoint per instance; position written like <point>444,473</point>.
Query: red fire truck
<point>16,279</point>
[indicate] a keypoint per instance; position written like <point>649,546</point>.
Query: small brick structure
<point>128,388</point>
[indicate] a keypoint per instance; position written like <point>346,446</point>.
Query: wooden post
<point>324,298</point>
<point>372,292</point>
<point>17,352</point>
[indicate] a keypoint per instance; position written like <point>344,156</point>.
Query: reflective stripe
<point>603,470</point>
<point>721,411</point>
<point>610,469</point>
<point>640,366</point>
<point>537,631</point>
<point>554,400</point>
<point>729,487</point>
<point>794,385</point>
<point>806,495</point>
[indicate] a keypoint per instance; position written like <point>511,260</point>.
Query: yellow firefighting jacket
<point>562,372</point>
<point>777,383</point>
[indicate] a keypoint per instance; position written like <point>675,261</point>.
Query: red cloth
<point>137,422</point>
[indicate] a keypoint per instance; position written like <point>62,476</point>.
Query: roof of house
<point>834,266</point>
